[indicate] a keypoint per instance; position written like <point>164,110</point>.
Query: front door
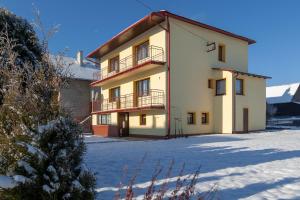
<point>123,124</point>
<point>245,120</point>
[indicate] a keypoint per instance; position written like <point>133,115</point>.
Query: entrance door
<point>246,120</point>
<point>123,124</point>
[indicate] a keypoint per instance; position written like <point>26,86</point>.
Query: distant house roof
<point>148,22</point>
<point>82,72</point>
<point>283,93</point>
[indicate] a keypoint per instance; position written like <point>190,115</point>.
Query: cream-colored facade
<point>188,102</point>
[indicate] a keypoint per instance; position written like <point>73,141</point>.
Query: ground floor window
<point>104,119</point>
<point>143,119</point>
<point>191,118</point>
<point>204,118</point>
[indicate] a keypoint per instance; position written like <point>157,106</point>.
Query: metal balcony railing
<point>155,98</point>
<point>154,53</point>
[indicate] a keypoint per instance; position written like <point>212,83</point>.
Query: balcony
<point>155,57</point>
<point>130,102</point>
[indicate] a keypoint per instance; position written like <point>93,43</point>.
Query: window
<point>113,64</point>
<point>221,87</point>
<point>143,119</point>
<point>204,118</point>
<point>221,53</point>
<point>191,118</point>
<point>143,87</point>
<point>114,94</point>
<point>239,86</point>
<point>142,51</point>
<point>210,83</point>
<point>104,119</point>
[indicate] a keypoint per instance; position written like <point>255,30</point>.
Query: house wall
<point>157,75</point>
<point>254,99</point>
<point>190,70</point>
<point>75,97</point>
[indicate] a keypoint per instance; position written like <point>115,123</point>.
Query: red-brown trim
<point>128,70</point>
<point>169,75</point>
<point>130,109</point>
<point>166,13</point>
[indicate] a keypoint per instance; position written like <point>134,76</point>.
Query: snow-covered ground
<point>250,166</point>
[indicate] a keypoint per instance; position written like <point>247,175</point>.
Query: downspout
<point>169,76</point>
<point>235,75</point>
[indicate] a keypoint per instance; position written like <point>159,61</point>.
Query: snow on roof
<point>76,71</point>
<point>281,93</point>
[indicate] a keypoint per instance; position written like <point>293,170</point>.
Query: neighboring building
<point>167,75</point>
<point>76,96</point>
<point>283,100</point>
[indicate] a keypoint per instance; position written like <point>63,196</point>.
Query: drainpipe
<point>169,76</point>
<point>235,75</point>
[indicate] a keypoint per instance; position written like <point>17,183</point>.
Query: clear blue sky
<point>274,24</point>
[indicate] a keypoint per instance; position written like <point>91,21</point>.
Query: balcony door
<point>142,52</point>
<point>142,92</point>
<point>114,64</point>
<point>114,97</point>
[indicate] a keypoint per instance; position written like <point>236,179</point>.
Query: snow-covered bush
<point>41,148</point>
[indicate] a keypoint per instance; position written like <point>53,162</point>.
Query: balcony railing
<point>155,54</point>
<point>155,98</point>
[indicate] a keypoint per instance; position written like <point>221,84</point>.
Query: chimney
<point>79,57</point>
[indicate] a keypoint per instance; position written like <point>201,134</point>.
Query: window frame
<point>217,81</point>
<point>143,119</point>
<point>210,83</point>
<point>206,117</point>
<point>101,120</point>
<point>110,64</point>
<point>193,118</point>
<point>111,98</point>
<point>222,53</point>
<point>136,49</point>
<point>143,93</point>
<point>242,86</point>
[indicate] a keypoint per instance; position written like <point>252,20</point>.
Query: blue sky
<point>274,24</point>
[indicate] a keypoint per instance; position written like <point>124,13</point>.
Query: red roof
<point>148,22</point>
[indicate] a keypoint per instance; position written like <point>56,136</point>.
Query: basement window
<point>204,118</point>
<point>221,53</point>
<point>191,118</point>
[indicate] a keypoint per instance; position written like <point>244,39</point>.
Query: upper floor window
<point>142,51</point>
<point>221,87</point>
<point>114,94</point>
<point>239,86</point>
<point>113,64</point>
<point>221,52</point>
<point>143,87</point>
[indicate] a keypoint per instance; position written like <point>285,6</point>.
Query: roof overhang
<point>239,72</point>
<point>148,22</point>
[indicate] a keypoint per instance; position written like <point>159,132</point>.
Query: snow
<point>84,72</point>
<point>7,182</point>
<point>281,93</point>
<point>247,166</point>
<point>26,166</point>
